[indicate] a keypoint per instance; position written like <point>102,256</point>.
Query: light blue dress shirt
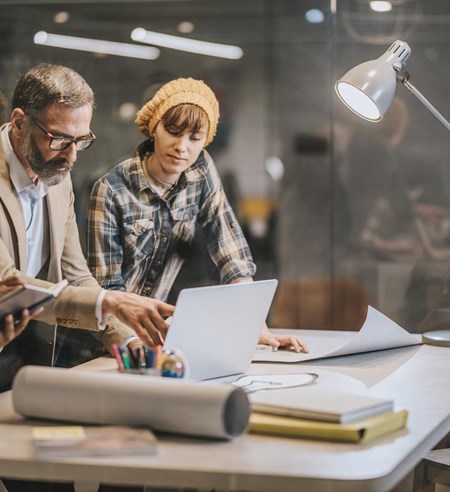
<point>33,206</point>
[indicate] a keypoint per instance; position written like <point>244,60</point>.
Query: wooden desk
<point>417,378</point>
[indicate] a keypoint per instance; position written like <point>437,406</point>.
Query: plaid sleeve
<point>105,253</point>
<point>224,237</point>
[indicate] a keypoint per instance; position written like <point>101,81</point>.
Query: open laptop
<point>217,327</point>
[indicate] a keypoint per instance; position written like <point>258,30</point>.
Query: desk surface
<point>416,378</point>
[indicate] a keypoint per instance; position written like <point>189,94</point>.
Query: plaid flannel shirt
<point>136,237</point>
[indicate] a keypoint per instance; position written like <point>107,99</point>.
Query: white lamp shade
<point>368,89</point>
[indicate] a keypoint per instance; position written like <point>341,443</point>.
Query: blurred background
<point>331,206</point>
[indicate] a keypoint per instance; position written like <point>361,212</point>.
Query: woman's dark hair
<point>186,116</point>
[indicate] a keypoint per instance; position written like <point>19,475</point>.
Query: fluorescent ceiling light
<point>96,46</point>
<point>184,44</point>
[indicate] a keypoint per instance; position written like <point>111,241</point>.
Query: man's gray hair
<point>47,84</point>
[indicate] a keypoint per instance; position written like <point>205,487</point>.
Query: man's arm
<point>76,306</point>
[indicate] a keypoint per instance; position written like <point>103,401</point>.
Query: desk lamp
<point>368,90</point>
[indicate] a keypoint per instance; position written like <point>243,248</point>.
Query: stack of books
<point>326,415</point>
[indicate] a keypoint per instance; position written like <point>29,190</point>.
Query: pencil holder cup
<point>152,371</point>
<point>173,364</point>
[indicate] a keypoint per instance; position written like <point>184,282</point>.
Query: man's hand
<point>288,341</point>
<point>8,329</point>
<point>135,344</point>
<point>144,315</point>
<point>10,283</point>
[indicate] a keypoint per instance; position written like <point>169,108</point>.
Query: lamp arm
<point>403,77</point>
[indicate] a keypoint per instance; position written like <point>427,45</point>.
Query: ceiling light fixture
<point>61,17</point>
<point>380,6</point>
<point>184,44</point>
<point>186,27</point>
<point>96,46</point>
<point>314,16</point>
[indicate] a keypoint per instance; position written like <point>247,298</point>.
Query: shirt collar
<point>191,174</point>
<point>19,177</point>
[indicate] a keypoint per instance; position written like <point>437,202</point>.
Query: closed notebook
<point>313,403</point>
<point>357,432</point>
<point>29,297</point>
<point>95,440</point>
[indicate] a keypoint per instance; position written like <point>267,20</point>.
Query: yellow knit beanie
<point>174,93</point>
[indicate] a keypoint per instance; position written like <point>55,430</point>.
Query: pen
<point>125,358</point>
<point>118,358</point>
<point>158,350</point>
<point>148,357</point>
<point>140,358</point>
<point>136,357</point>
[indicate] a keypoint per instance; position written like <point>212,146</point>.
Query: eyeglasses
<point>63,143</point>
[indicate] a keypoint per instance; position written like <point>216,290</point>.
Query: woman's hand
<point>282,341</point>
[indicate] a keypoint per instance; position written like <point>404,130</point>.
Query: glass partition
<point>344,213</point>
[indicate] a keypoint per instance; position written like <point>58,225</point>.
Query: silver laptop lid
<point>217,327</point>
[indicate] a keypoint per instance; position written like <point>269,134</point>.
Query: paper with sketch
<point>162,404</point>
<point>251,383</point>
<point>377,333</point>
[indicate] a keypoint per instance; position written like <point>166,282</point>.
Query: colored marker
<point>140,358</point>
<point>158,351</point>
<point>125,358</point>
<point>118,358</point>
<point>150,358</point>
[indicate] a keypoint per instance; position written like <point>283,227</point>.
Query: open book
<point>29,297</point>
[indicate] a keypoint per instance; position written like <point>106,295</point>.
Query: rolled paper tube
<point>163,404</point>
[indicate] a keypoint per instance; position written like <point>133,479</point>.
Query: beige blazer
<point>75,308</point>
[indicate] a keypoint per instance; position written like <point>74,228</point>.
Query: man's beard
<point>47,171</point>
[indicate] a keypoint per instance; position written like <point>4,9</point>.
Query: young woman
<point>144,212</point>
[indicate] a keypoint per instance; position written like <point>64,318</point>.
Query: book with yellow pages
<point>356,432</point>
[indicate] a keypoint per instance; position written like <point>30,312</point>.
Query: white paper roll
<point>163,404</point>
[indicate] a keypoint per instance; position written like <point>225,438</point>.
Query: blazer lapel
<point>14,210</point>
<point>56,230</point>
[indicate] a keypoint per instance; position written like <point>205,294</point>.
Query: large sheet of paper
<point>162,404</point>
<point>377,333</point>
